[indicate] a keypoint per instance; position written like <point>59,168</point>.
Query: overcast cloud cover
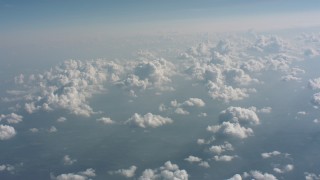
<point>152,90</point>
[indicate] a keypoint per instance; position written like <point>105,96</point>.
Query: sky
<point>44,15</point>
<point>159,89</point>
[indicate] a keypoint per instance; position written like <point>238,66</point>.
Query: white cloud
<point>180,108</point>
<point>239,115</point>
<point>7,167</point>
<point>314,83</point>
<point>316,99</point>
<point>67,86</point>
<point>105,120</point>
<point>52,129</point>
<point>285,169</point>
<point>181,111</point>
<point>262,176</point>
<point>128,173</point>
<point>148,120</point>
<point>7,132</point>
<point>168,171</point>
<point>204,164</point>
<point>67,160</point>
<point>193,159</point>
<point>225,158</point>
<point>235,177</point>
<point>83,175</point>
<point>148,74</point>
<point>227,93</point>
<point>11,118</point>
<point>194,102</point>
<point>272,154</point>
<point>231,129</point>
<point>290,78</point>
<point>218,149</point>
<point>34,130</point>
<point>61,119</point>
<point>311,176</point>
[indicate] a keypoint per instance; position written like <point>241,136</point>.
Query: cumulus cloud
<point>231,129</point>
<point>311,176</point>
<point>290,78</point>
<point>67,86</point>
<point>7,132</point>
<point>236,177</point>
<point>180,108</point>
<point>52,129</point>
<point>7,167</point>
<point>225,158</point>
<point>262,176</point>
<point>83,175</point>
<point>11,118</point>
<point>199,161</point>
<point>105,120</point>
<point>168,171</point>
<point>34,130</point>
<point>148,74</point>
<point>193,159</point>
<point>285,169</point>
<point>148,120</point>
<point>128,173</point>
<point>239,115</point>
<point>61,119</point>
<point>218,149</point>
<point>273,154</point>
<point>67,160</point>
<point>314,83</point>
<point>316,99</point>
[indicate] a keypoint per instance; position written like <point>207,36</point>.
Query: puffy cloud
<point>52,129</point>
<point>290,78</point>
<point>194,102</point>
<point>225,158</point>
<point>239,115</point>
<point>67,86</point>
<point>180,108</point>
<point>128,173</point>
<point>311,176</point>
<point>105,120</point>
<point>67,160</point>
<point>270,44</point>
<point>11,118</point>
<point>148,120</point>
<point>285,169</point>
<point>273,154</point>
<point>61,119</point>
<point>181,111</point>
<point>231,129</point>
<point>270,154</point>
<point>7,132</point>
<point>235,177</point>
<point>262,176</point>
<point>148,74</point>
<point>7,167</point>
<point>192,159</point>
<point>202,114</point>
<point>83,175</point>
<point>314,83</point>
<point>168,171</point>
<point>204,164</point>
<point>218,149</point>
<point>227,93</point>
<point>316,99</point>
<point>34,130</point>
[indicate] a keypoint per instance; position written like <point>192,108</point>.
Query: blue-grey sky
<point>48,14</point>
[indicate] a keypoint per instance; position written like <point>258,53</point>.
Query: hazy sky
<point>57,14</point>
